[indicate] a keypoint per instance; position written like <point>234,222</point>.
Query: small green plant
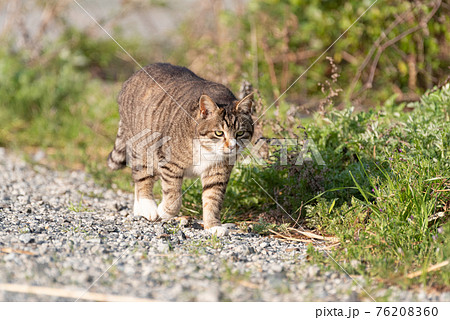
<point>198,246</point>
<point>263,228</point>
<point>230,274</point>
<point>92,194</point>
<point>173,228</point>
<point>78,207</point>
<point>215,242</point>
<point>24,230</point>
<point>76,229</point>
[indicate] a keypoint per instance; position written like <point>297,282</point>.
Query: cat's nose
<point>232,144</point>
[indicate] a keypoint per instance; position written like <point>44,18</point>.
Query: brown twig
<point>67,293</point>
<point>376,44</point>
<point>431,268</point>
<point>421,25</point>
<point>270,64</point>
<point>12,13</point>
<point>290,238</point>
<point>295,57</point>
<point>309,234</point>
<point>12,250</point>
<point>49,14</point>
<point>379,47</point>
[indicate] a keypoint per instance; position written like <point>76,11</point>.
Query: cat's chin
<point>230,157</point>
<point>219,155</point>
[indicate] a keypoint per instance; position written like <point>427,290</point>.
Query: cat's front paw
<point>218,231</point>
<point>162,213</point>
<point>146,208</point>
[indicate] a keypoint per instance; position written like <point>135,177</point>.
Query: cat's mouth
<point>230,152</point>
<point>222,150</point>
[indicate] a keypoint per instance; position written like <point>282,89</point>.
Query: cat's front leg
<point>144,204</point>
<point>171,182</point>
<point>214,182</point>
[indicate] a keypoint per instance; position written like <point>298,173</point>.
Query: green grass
<point>78,207</point>
<point>61,109</point>
<point>397,222</point>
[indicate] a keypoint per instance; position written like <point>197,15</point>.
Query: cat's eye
<point>239,133</point>
<point>218,133</point>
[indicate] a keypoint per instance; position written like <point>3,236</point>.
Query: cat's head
<point>225,130</point>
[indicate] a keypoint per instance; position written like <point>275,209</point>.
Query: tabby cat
<point>174,124</point>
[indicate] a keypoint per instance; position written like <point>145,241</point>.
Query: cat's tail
<point>117,159</point>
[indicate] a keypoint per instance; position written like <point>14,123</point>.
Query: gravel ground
<point>49,238</point>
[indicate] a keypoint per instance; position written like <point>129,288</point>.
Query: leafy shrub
<point>273,42</point>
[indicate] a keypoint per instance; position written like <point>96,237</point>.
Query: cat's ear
<point>207,106</point>
<point>245,105</point>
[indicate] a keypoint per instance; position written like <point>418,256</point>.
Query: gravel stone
<point>209,295</point>
<point>264,244</point>
<point>184,223</point>
<point>219,231</point>
<point>181,235</point>
<point>313,271</point>
<point>230,226</point>
<point>26,238</point>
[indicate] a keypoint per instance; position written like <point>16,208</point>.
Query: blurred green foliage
<point>273,42</point>
<point>58,106</point>
<point>103,58</point>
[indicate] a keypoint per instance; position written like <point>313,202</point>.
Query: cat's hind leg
<point>144,203</point>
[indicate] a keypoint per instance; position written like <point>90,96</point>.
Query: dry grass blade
<point>330,246</point>
<point>289,238</point>
<point>436,216</point>
<point>431,268</point>
<point>313,235</point>
<point>248,284</point>
<point>11,250</point>
<point>66,293</point>
<point>308,234</point>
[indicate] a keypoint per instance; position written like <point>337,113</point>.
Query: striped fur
<point>179,125</point>
<point>117,157</point>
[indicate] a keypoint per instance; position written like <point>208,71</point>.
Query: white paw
<point>146,208</point>
<point>218,231</point>
<point>162,214</point>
